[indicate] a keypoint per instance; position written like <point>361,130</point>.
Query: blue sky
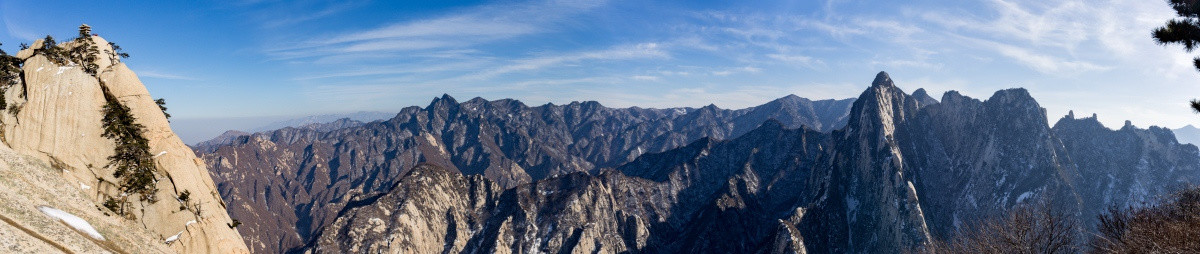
<point>257,59</point>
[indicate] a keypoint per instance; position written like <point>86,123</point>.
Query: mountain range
<point>196,130</point>
<point>886,172</point>
<point>295,181</point>
<point>1187,134</point>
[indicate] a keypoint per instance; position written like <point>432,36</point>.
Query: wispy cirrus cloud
<point>10,24</point>
<point>620,52</point>
<point>161,75</point>
<point>730,71</point>
<point>463,29</point>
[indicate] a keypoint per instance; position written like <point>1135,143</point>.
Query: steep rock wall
<point>58,113</point>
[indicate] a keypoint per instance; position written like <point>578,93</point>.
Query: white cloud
<point>12,27</point>
<point>291,17</point>
<point>904,63</point>
<point>467,28</point>
<point>801,60</point>
<point>646,78</point>
<point>160,75</point>
<point>1044,63</point>
<point>398,69</point>
<point>622,52</point>
<point>731,71</point>
<point>723,97</point>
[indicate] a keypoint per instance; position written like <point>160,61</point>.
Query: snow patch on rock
<point>79,224</point>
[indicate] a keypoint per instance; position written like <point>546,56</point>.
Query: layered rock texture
<point>288,184</point>
<point>54,114</point>
<point>888,173</point>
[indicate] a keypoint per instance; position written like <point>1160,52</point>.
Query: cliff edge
<point>60,111</point>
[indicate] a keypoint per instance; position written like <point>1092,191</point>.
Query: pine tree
<point>117,53</point>
<point>162,104</point>
<point>52,51</point>
<point>10,73</point>
<point>1183,30</point>
<point>131,157</point>
<point>85,51</point>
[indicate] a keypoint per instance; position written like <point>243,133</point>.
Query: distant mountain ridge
<point>905,170</point>
<point>504,140</point>
<point>1188,134</point>
<point>889,174</point>
<point>194,131</point>
<point>361,116</point>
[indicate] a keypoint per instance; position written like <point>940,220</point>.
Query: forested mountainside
<point>899,171</point>
<point>291,182</point>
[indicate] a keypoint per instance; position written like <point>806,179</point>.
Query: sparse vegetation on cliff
<point>10,74</point>
<point>162,104</point>
<point>1030,228</point>
<point>85,51</point>
<point>117,53</point>
<point>1168,227</point>
<point>52,51</point>
<point>131,158</point>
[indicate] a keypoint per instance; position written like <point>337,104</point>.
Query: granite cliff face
<point>287,184</point>
<point>54,114</point>
<point>683,200</point>
<point>899,171</point>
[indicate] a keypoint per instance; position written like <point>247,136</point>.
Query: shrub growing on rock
<point>1171,226</point>
<point>131,158</point>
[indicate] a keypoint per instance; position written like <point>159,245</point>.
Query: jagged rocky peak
<point>882,105</point>
<point>57,115</point>
<point>443,101</point>
<point>954,97</point>
<point>882,79</point>
<point>1013,96</point>
<point>790,99</point>
<point>923,98</point>
<point>1079,124</point>
<point>678,187</point>
<point>771,124</point>
<point>1017,106</point>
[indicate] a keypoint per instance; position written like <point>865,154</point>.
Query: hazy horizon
<point>261,59</point>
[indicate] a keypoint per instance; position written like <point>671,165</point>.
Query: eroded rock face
<point>871,183</point>
<point>701,205</point>
<point>28,183</point>
<point>287,184</point>
<point>906,169</point>
<point>58,119</point>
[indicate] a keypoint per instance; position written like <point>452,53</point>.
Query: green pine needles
<point>52,51</point>
<point>10,74</point>
<point>85,52</point>
<point>131,158</point>
<point>162,105</point>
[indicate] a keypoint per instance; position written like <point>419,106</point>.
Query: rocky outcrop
<point>700,193</point>
<point>871,185</point>
<point>906,169</point>
<point>58,119</point>
<point>29,183</point>
<point>1127,166</point>
<point>223,139</point>
<point>287,184</point>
